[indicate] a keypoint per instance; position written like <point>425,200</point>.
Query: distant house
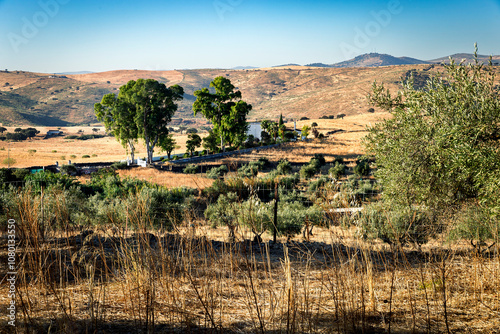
<point>255,130</point>
<point>53,133</point>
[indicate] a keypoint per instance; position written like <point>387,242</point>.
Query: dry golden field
<point>50,150</point>
<point>107,149</point>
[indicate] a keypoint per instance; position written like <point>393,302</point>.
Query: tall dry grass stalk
<point>150,281</point>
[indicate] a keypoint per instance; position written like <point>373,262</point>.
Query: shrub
<point>17,136</point>
<point>340,160</point>
<point>69,170</point>
<point>31,152</point>
<point>85,156</point>
<point>304,118</point>
<point>217,172</point>
<point>94,155</point>
<point>225,212</point>
<point>54,151</point>
<point>86,137</point>
<point>190,169</point>
<point>261,164</point>
<point>284,167</point>
<point>9,161</point>
<point>21,173</point>
<point>71,137</point>
<point>320,157</point>
<point>362,168</point>
<point>248,171</point>
<point>72,156</point>
<point>119,165</point>
<point>316,185</point>
<point>476,224</point>
<point>307,171</point>
<point>397,224</point>
<point>337,170</point>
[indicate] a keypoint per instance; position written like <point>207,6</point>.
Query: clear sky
<point>76,35</point>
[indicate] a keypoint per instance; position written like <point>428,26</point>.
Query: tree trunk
<point>132,150</point>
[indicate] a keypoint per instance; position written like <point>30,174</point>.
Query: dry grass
<point>48,151</point>
<point>336,283</point>
<point>167,179</point>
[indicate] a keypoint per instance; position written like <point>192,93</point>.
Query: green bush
<point>476,224</point>
<point>284,167</point>
<point>337,170</point>
<point>119,165</point>
<point>191,169</point>
<point>85,156</point>
<point>217,172</point>
<point>71,137</point>
<point>307,171</point>
<point>21,173</point>
<point>317,184</point>
<point>69,169</point>
<point>248,171</point>
<point>320,157</point>
<point>86,137</point>
<point>397,224</point>
<point>261,164</point>
<point>362,168</point>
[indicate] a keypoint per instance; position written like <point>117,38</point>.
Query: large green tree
<point>224,109</point>
<point>118,118</point>
<point>142,109</point>
<point>441,147</point>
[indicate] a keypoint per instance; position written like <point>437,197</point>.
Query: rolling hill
<point>377,59</point>
<point>294,91</point>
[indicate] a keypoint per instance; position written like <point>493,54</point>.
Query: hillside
<point>373,60</point>
<point>467,58</point>
<point>296,91</point>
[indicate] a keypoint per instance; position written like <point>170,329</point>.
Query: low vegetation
<point>404,239</point>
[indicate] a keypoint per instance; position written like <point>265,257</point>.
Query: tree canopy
<point>224,109</point>
<point>441,146</point>
<point>143,109</point>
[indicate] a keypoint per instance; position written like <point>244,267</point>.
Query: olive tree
<point>440,147</point>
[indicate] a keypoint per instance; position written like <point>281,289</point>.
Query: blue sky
<point>72,35</point>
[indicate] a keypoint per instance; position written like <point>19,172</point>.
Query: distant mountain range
<point>292,90</point>
<point>377,59</point>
